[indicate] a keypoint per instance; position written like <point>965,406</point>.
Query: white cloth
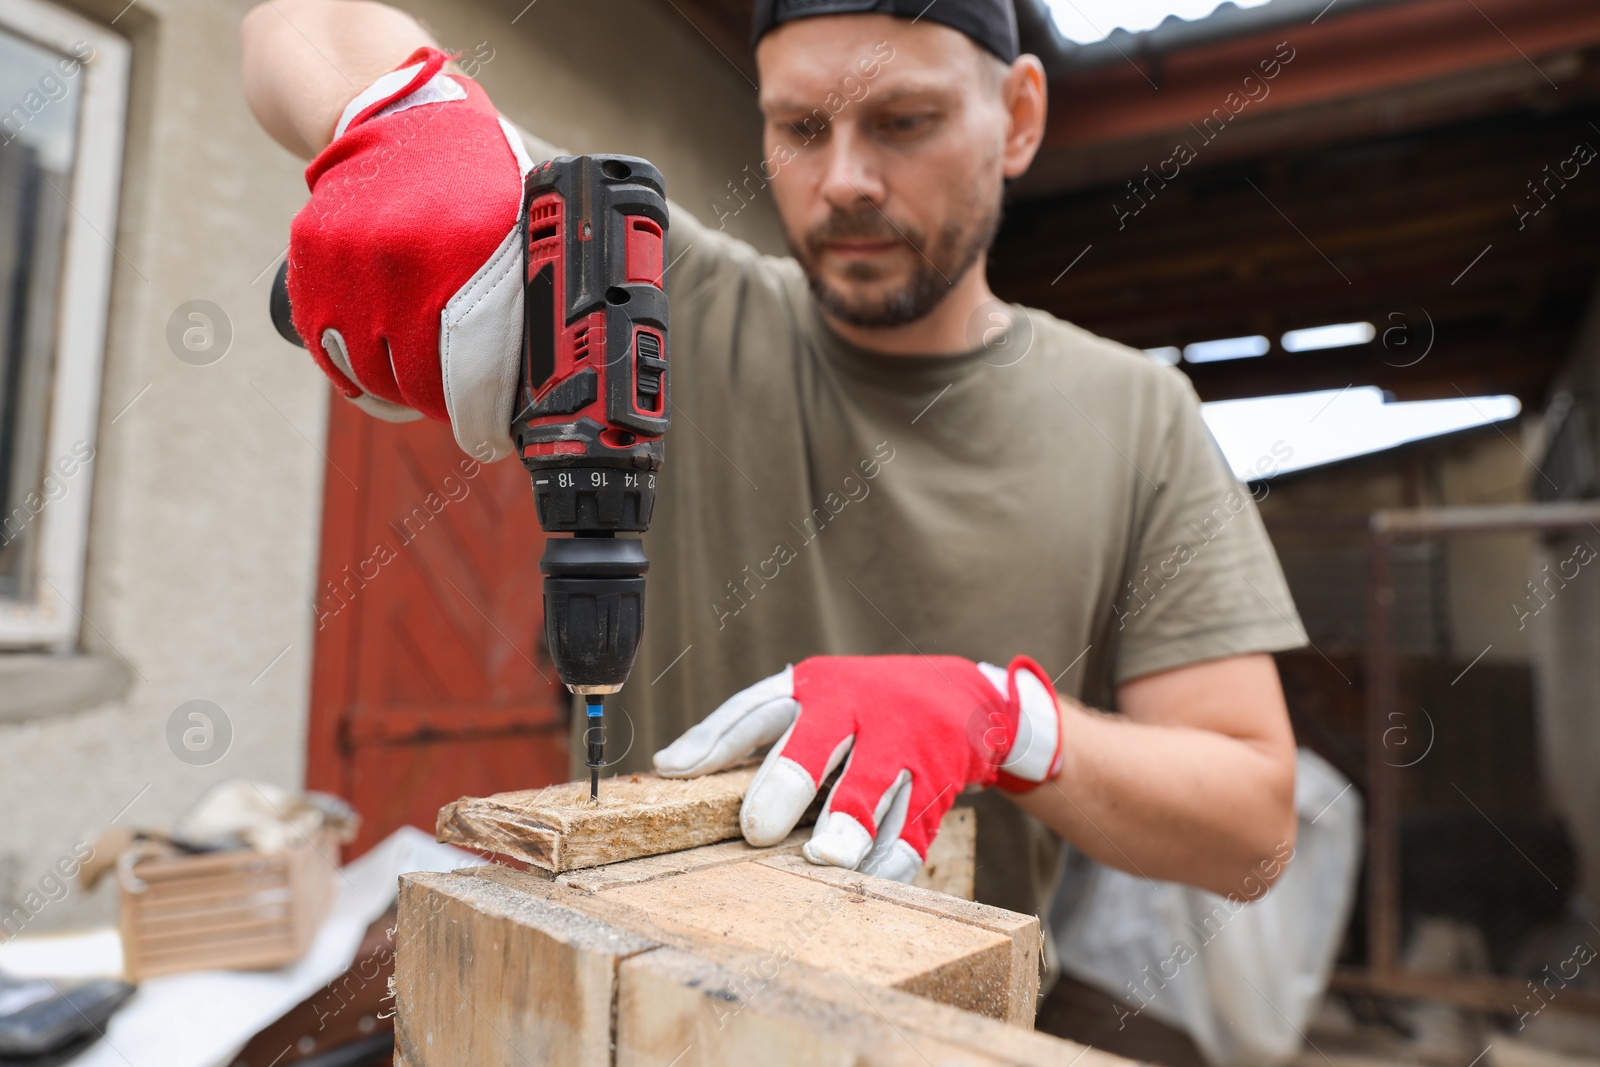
<point>203,1018</point>
<point>1242,980</point>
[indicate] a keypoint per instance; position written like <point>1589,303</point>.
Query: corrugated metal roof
<point>1040,36</point>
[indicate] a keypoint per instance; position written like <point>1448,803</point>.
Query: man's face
<point>883,143</point>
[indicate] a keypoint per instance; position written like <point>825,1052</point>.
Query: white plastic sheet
<point>1242,979</point>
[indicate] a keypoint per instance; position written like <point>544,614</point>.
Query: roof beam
<point>1428,60</point>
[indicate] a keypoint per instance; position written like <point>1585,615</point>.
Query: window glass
<point>40,92</point>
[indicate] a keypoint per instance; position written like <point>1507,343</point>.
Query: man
<point>931,504</point>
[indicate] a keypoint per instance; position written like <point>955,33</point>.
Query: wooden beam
<point>1511,87</point>
<point>775,903</point>
<point>1022,932</point>
<point>942,946</point>
<point>952,864</point>
<point>673,1005</point>
<point>767,957</point>
<point>1381,48</point>
<point>1415,234</point>
<point>707,1009</point>
<point>775,912</point>
<point>490,974</point>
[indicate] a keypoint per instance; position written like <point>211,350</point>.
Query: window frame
<point>53,616</point>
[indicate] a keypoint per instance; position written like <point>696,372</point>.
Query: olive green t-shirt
<point>1052,494</point>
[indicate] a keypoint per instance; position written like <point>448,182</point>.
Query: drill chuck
<point>593,609</point>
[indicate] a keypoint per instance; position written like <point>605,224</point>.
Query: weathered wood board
<point>949,869</point>
<point>559,829</point>
<point>500,967</point>
<point>672,864</point>
<point>773,911</point>
<point>707,1010</point>
<point>1014,994</point>
<point>490,974</point>
<point>644,922</point>
<point>952,864</point>
<point>957,952</point>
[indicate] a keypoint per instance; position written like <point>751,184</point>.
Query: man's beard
<point>939,264</point>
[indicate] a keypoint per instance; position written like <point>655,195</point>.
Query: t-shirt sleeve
<point>1204,581</point>
<point>696,253</point>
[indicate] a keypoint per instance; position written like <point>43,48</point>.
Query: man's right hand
<point>405,268</point>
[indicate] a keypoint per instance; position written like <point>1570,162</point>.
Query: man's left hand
<point>912,731</point>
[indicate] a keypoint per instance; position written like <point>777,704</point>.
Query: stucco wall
<point>207,491</point>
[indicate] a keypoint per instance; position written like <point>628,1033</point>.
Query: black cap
<point>992,24</point>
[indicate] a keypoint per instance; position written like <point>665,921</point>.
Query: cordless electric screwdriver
<point>590,408</point>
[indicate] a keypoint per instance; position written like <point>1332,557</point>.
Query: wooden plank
<point>280,900</point>
<point>498,967</point>
<point>767,909</point>
<point>671,864</point>
<point>496,975</point>
<point>178,864</point>
<point>969,955</point>
<point>261,953</point>
<point>718,1008</point>
<point>952,864</point>
<point>1021,931</point>
<point>949,869</point>
<point>933,1027</point>
<point>759,905</point>
<point>673,1007</point>
<point>212,935</point>
<point>559,828</point>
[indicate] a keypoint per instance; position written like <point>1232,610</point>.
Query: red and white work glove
<point>405,271</point>
<point>913,731</point>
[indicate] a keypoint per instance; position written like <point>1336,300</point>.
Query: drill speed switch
<point>591,406</point>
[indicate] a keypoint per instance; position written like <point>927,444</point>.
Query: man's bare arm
<point>1193,783</point>
<point>304,60</point>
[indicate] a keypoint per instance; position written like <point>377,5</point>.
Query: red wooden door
<point>429,678</point>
